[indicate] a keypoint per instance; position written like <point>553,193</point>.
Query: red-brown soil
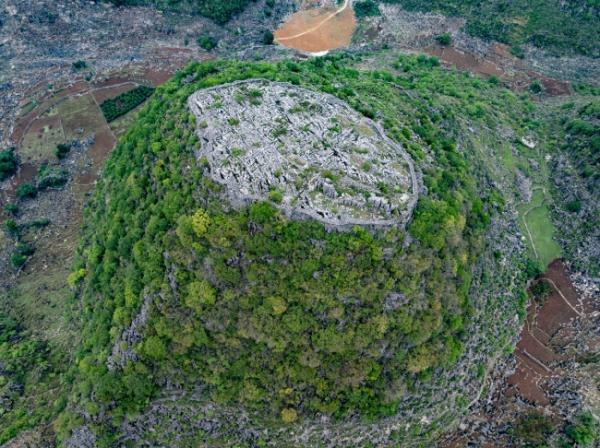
<point>157,77</point>
<point>556,333</point>
<point>104,142</point>
<point>498,62</point>
<point>317,30</point>
<point>465,61</point>
<point>537,351</point>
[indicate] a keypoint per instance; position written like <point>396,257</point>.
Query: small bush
<point>276,196</point>
<point>540,291</point>
<point>533,429</point>
<point>26,190</point>
<point>13,209</point>
<point>78,65</point>
<point>517,52</point>
<point>206,42</point>
<point>366,8</point>
<point>51,177</point>
<point>268,38</point>
<point>444,39</point>
<point>39,223</point>
<point>25,249</point>
<point>585,431</point>
<point>11,226</point>
<point>61,150</point>
<point>574,206</point>
<point>536,87</point>
<point>581,127</point>
<point>17,260</point>
<point>8,163</point>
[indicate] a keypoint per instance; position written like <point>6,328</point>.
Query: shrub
<point>155,348</point>
<point>517,52</point>
<point>268,37</point>
<point>444,39</point>
<point>19,256</point>
<point>13,209</point>
<point>24,249</point>
<point>11,226</point>
<point>585,431</point>
<point>200,222</point>
<point>540,291</point>
<point>207,42</point>
<point>17,260</point>
<point>366,8</point>
<point>78,65</point>
<point>289,415</point>
<point>533,429</point>
<point>536,87</point>
<point>26,190</point>
<point>8,163</point>
<point>76,277</point>
<point>574,206</point>
<point>62,149</point>
<point>276,196</point>
<point>51,177</point>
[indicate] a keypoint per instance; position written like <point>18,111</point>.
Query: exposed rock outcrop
<point>307,151</point>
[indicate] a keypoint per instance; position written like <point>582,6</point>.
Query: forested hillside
<point>286,319</point>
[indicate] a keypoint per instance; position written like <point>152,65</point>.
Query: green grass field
<point>538,229</point>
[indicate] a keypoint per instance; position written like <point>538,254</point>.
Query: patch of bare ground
<point>318,30</point>
<point>463,60</point>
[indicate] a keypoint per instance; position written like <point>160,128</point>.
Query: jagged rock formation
<point>307,151</point>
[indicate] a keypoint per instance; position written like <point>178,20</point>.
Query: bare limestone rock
<point>308,152</point>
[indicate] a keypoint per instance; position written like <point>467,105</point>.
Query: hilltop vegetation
<point>285,319</point>
<point>560,27</point>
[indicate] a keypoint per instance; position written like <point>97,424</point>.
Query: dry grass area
<point>318,30</point>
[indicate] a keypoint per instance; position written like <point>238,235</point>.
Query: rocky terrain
<point>328,163</point>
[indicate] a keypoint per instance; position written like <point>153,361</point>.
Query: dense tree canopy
<point>285,318</point>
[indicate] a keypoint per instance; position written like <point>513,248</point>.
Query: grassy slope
<point>539,229</point>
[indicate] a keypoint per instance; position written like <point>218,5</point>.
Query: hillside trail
<point>319,25</point>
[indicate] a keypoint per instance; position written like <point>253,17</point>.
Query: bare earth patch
<point>318,30</point>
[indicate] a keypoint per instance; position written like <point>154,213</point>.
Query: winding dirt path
<point>562,296</point>
<point>317,31</point>
<point>317,26</point>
